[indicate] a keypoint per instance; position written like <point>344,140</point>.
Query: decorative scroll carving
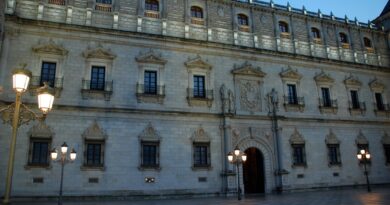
<point>41,130</point>
<point>323,78</point>
<point>250,95</point>
<point>352,82</point>
<point>200,135</point>
<point>197,63</point>
<point>296,138</point>
<point>150,57</point>
<point>361,139</point>
<point>94,132</point>
<point>290,74</point>
<point>376,85</point>
<point>50,48</point>
<point>331,138</point>
<point>149,134</point>
<point>100,53</point>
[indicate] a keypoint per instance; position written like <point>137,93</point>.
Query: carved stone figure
<point>232,106</point>
<point>224,99</point>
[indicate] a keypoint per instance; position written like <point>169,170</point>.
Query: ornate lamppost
<point>17,114</point>
<point>364,156</point>
<point>63,160</point>
<point>237,158</point>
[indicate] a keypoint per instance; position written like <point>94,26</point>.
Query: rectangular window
<point>334,154</point>
<point>150,82</point>
<point>292,94</point>
<point>386,148</point>
<point>94,153</point>
<point>326,97</point>
<point>48,73</point>
<point>39,152</point>
<point>201,155</point>
<point>355,99</point>
<point>150,154</point>
<point>299,154</point>
<point>97,77</point>
<point>379,102</point>
<point>199,88</point>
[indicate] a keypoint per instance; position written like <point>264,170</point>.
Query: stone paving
<point>379,196</point>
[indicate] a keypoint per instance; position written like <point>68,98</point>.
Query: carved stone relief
<point>296,138</point>
<point>331,138</point>
<point>250,95</point>
<point>200,135</point>
<point>149,134</point>
<point>94,132</point>
<point>41,130</point>
<point>361,139</point>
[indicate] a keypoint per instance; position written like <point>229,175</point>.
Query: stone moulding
<point>99,53</point>
<point>296,138</point>
<point>248,69</point>
<point>290,74</point>
<point>352,82</point>
<point>376,85</point>
<point>94,132</point>
<point>361,139</point>
<point>323,78</point>
<point>151,58</point>
<point>50,48</point>
<point>331,138</point>
<point>197,63</point>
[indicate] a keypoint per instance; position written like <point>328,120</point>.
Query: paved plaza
<point>358,196</point>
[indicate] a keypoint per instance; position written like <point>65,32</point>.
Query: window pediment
<point>151,57</point>
<point>41,130</point>
<point>323,78</point>
<point>290,74</point>
<point>248,69</point>
<point>197,63</point>
<point>50,48</point>
<point>99,53</point>
<point>200,135</point>
<point>376,85</point>
<point>352,81</point>
<point>331,138</point>
<point>361,139</point>
<point>386,139</point>
<point>297,138</point>
<point>149,134</point>
<point>94,132</point>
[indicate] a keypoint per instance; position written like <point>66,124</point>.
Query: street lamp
<point>363,157</point>
<point>237,157</point>
<point>63,160</point>
<point>17,114</point>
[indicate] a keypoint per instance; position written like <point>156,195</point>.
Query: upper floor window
<point>39,149</point>
<point>150,154</point>
<point>367,42</point>
<point>315,32</point>
<point>97,77</point>
<point>196,12</point>
<point>150,82</point>
<point>326,101</point>
<point>283,27</point>
<point>152,5</point>
<point>94,153</point>
<point>48,73</point>
<point>199,86</point>
<point>292,94</point>
<point>242,20</point>
<point>343,38</point>
<point>201,154</point>
<point>355,99</point>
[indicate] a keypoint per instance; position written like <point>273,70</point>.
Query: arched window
<point>315,32</point>
<point>367,42</point>
<point>242,20</point>
<point>283,27</point>
<point>196,12</point>
<point>343,38</point>
<point>151,5</point>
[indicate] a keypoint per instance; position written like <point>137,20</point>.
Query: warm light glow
<point>230,157</point>
<point>64,148</point>
<point>20,80</point>
<point>244,157</point>
<point>45,98</point>
<point>362,151</point>
<point>368,156</point>
<point>54,154</point>
<point>73,155</point>
<point>359,156</point>
<point>236,151</point>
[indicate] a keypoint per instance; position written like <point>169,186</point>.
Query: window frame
<point>343,38</point>
<point>355,103</point>
<point>198,92</point>
<point>367,42</point>
<point>283,27</point>
<point>149,4</point>
<point>315,33</point>
<point>103,85</point>
<point>302,160</point>
<point>292,97</point>
<point>51,82</point>
<point>196,10</point>
<point>156,165</point>
<point>31,152</point>
<point>101,142</point>
<point>336,148</point>
<point>242,19</point>
<point>207,156</point>
<point>149,89</point>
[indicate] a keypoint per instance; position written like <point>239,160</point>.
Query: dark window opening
<point>97,77</point>
<point>379,102</point>
<point>196,12</point>
<point>355,99</point>
<point>40,152</point>
<point>150,82</point>
<point>94,154</point>
<point>326,97</point>
<point>199,86</point>
<point>334,154</point>
<point>149,155</point>
<point>201,155</point>
<point>48,73</point>
<point>299,157</point>
<point>283,27</point>
<point>367,42</point>
<point>343,38</point>
<point>152,5</point>
<point>292,94</point>
<point>242,20</point>
<point>315,33</point>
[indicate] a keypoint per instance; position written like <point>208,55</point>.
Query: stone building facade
<point>154,94</point>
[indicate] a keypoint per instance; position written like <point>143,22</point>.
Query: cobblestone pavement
<point>379,196</point>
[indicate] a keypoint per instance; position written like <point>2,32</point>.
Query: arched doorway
<point>253,170</point>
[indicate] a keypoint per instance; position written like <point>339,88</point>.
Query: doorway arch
<point>253,172</point>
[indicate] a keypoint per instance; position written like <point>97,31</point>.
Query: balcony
<point>149,94</point>
<point>103,7</point>
<point>345,45</point>
<point>57,2</point>
<point>317,40</point>
<point>293,103</point>
<point>284,35</point>
<point>102,91</point>
<point>357,108</point>
<point>382,109</point>
<point>328,106</point>
<point>243,28</point>
<point>200,98</point>
<point>152,14</point>
<point>36,83</point>
<point>197,21</point>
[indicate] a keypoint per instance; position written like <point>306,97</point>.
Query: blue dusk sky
<point>363,10</point>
